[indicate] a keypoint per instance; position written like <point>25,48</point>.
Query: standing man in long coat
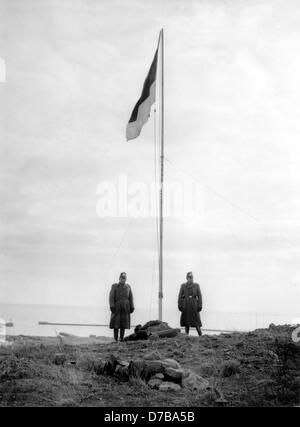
<point>121,306</point>
<point>190,304</point>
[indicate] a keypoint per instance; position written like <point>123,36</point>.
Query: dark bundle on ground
<point>156,326</point>
<point>139,334</point>
<point>153,328</point>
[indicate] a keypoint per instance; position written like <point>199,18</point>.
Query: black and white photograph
<point>150,206</point>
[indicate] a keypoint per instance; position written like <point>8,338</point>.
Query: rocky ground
<point>259,368</point>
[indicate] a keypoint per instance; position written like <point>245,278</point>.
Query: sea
<point>26,317</point>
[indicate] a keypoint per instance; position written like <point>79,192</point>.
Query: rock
<point>174,375</point>
<point>167,386</point>
<point>154,383</point>
<point>193,381</point>
<point>153,355</point>
<point>170,363</point>
<point>60,358</point>
<point>158,376</point>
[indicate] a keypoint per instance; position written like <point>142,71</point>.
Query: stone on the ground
<point>168,386</point>
<point>174,375</point>
<point>171,363</point>
<point>193,381</point>
<point>154,383</point>
<point>153,355</point>
<point>158,376</point>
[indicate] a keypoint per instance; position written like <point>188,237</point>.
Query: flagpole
<point>160,293</point>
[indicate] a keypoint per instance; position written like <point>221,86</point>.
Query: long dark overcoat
<point>190,304</point>
<point>121,304</point>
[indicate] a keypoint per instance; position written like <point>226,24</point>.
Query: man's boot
<point>199,330</point>
<point>116,332</point>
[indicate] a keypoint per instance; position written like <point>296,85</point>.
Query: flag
<point>141,111</point>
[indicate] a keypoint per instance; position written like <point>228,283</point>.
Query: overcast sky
<point>74,70</point>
